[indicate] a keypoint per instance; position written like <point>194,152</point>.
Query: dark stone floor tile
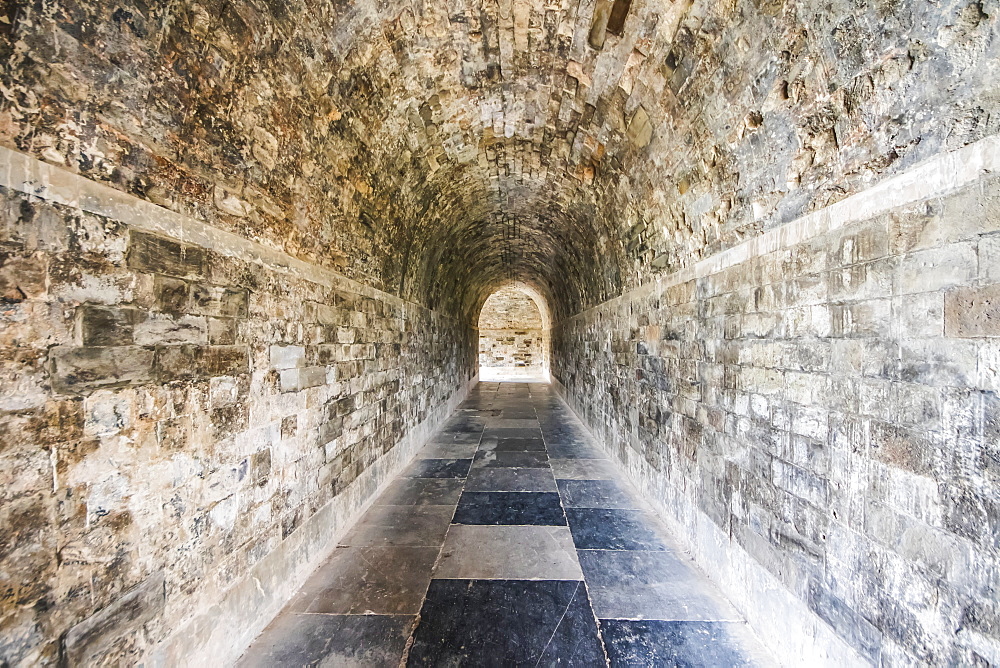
<point>524,460</point>
<point>452,438</point>
<point>510,480</point>
<point>439,468</point>
<point>594,494</point>
<point>330,640</point>
<point>612,529</point>
<point>506,623</point>
<point>530,508</point>
<point>517,413</point>
<point>688,644</point>
<point>422,492</point>
<point>469,426</point>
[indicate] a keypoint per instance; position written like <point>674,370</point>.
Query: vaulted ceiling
<point>439,149</point>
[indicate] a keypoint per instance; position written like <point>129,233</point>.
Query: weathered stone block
<point>972,312</point>
<point>189,362</point>
<point>87,641</point>
<point>219,301</point>
<point>157,255</point>
<point>170,294</point>
<point>107,325</point>
<point>23,277</point>
<point>82,370</point>
<point>287,357</point>
<point>312,377</point>
<point>261,466</point>
<point>221,331</point>
<point>289,426</point>
<point>159,328</point>
<point>938,268</point>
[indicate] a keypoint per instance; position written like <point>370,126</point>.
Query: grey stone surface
<point>369,580</point>
<point>584,469</point>
<point>510,480</point>
<point>422,492</point>
<point>651,585</point>
<point>508,553</point>
<point>418,526</point>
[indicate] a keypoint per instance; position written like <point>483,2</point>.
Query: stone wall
<point>185,427</point>
<point>511,349</point>
<point>511,335</point>
<point>817,414</point>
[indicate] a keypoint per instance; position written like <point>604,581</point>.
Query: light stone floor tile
<point>369,580</point>
<point>584,469</point>
<point>651,585</point>
<point>419,526</point>
<point>510,480</point>
<point>509,552</point>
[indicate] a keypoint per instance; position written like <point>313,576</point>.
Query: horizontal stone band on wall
<point>935,177</point>
<point>819,412</point>
<point>179,406</point>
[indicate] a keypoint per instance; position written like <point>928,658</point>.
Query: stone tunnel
<point>244,252</point>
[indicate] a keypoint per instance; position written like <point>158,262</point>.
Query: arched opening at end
<point>514,340</point>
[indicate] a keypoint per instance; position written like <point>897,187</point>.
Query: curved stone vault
<point>435,150</point>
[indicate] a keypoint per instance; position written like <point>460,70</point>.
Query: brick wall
<point>829,411</point>
<point>511,335</point>
<point>173,417</point>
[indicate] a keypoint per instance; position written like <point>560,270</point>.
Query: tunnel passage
<point>514,337</point>
<point>244,247</point>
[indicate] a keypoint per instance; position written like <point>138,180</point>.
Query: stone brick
<point>287,357</point>
<point>23,277</point>
<point>170,294</point>
<point>107,326</point>
<point>219,301</point>
<point>83,370</point>
<point>938,268</point>
<point>166,329</point>
<point>221,331</point>
<point>158,255</point>
<point>289,426</point>
<point>972,312</point>
<point>188,362</point>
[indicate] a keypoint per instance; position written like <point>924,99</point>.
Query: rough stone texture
<point>436,152</point>
<point>511,332</point>
<point>832,409</point>
<point>171,416</point>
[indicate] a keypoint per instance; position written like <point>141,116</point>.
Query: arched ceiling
<point>437,150</point>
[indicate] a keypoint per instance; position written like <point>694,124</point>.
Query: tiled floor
<point>510,541</point>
